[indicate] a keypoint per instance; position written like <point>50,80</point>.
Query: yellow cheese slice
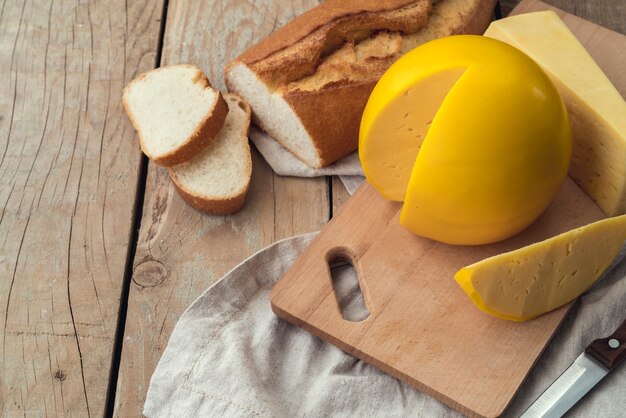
<point>597,111</point>
<point>522,284</point>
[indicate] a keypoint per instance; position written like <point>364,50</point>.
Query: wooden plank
<point>340,194</point>
<point>69,167</point>
<point>608,13</point>
<point>181,252</point>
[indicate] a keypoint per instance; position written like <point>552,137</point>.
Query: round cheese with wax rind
<point>471,134</point>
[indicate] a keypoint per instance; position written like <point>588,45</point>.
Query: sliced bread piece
<point>175,111</point>
<point>216,180</point>
<point>308,82</point>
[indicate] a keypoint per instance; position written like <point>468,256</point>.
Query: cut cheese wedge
<point>471,134</point>
<point>522,284</point>
<point>597,110</point>
<point>403,123</point>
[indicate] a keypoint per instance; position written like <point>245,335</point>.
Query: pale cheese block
<point>532,280</point>
<point>597,110</point>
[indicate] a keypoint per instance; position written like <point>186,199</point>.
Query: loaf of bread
<point>217,178</point>
<point>175,111</point>
<point>308,82</point>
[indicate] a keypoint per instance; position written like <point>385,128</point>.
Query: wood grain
<point>181,252</point>
<point>608,13</point>
<point>69,170</point>
<point>68,163</point>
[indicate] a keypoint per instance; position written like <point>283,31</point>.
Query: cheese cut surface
<point>522,284</point>
<point>597,110</point>
<point>403,124</point>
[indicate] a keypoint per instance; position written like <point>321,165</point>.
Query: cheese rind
<point>530,281</point>
<point>597,110</point>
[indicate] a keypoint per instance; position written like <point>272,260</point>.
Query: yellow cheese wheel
<point>471,134</point>
<point>536,279</point>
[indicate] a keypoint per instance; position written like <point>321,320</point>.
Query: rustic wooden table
<point>99,255</point>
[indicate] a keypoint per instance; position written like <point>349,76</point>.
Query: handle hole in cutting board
<point>347,286</point>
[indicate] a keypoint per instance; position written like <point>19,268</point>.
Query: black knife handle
<point>611,350</point>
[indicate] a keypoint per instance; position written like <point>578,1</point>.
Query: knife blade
<point>599,358</point>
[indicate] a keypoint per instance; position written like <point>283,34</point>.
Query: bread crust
<point>332,117</point>
<point>330,114</point>
<point>227,204</point>
<point>199,139</point>
<point>296,49</point>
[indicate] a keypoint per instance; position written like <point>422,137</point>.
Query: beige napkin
<point>230,356</point>
<point>285,164</point>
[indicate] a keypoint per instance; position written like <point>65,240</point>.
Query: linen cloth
<point>230,356</point>
<point>285,164</point>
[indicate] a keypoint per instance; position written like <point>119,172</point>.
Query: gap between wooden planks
<point>181,252</point>
<point>69,166</point>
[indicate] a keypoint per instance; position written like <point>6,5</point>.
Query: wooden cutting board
<point>422,328</point>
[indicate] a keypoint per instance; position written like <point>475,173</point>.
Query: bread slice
<point>175,111</point>
<point>216,180</point>
<point>308,82</point>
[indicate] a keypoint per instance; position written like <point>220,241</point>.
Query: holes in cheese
<point>402,127</point>
<point>522,284</point>
<point>495,154</point>
<point>597,110</point>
